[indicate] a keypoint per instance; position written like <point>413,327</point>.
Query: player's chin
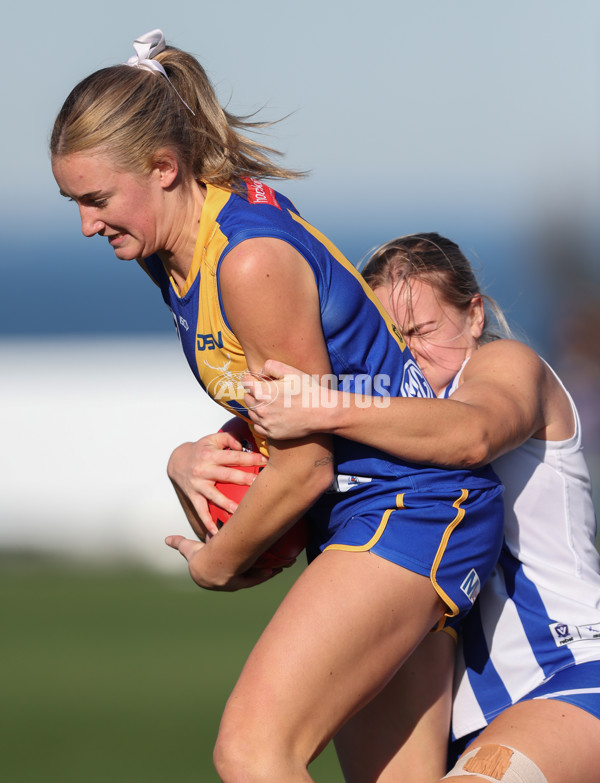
<point>127,253</point>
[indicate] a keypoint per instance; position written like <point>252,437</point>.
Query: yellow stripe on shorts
<point>376,536</point>
<point>460,513</point>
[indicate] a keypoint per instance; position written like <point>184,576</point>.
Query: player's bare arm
<point>506,394</point>
<point>287,324</point>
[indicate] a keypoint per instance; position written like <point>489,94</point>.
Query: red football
<point>282,553</point>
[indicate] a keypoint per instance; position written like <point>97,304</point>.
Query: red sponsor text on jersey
<point>259,193</point>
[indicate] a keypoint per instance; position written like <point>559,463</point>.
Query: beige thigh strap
<point>498,763</point>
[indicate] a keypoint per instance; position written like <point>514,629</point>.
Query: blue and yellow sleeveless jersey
<point>442,523</point>
<point>366,350</point>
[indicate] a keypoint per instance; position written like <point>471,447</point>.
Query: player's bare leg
<point>337,639</point>
<point>405,728</point>
<point>561,739</point>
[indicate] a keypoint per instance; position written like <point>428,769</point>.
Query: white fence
<point>87,427</point>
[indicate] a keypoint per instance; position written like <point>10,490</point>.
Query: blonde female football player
<point>160,170</point>
<point>527,701</point>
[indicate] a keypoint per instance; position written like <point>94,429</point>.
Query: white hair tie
<point>147,46</point>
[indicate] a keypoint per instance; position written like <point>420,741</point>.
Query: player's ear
<point>476,316</point>
<point>166,167</point>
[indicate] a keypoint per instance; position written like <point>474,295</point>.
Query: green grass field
<point>113,676</point>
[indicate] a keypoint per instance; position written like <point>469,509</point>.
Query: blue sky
<point>475,119</point>
<point>463,106</point>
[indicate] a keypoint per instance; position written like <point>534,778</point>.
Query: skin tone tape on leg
<point>498,764</point>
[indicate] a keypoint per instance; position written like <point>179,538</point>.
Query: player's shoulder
<point>506,359</point>
<point>262,255</point>
<point>506,350</point>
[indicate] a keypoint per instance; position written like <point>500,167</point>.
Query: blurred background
<point>478,121</point>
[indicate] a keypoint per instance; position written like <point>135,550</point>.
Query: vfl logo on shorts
<point>343,482</point>
<point>413,381</point>
<point>471,585</point>
<point>562,633</point>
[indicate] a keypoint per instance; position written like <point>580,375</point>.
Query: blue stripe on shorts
<point>578,685</point>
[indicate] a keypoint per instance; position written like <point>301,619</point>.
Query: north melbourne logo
<point>413,381</point>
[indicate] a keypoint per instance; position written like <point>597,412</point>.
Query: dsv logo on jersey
<point>208,342</point>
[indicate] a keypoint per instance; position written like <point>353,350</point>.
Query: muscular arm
<point>272,305</point>
<point>507,395</point>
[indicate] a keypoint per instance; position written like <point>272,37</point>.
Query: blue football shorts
<point>578,684</point>
<point>450,534</point>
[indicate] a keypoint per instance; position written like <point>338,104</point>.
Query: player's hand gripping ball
<point>284,551</point>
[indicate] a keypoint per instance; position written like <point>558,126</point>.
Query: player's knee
<point>240,756</point>
<point>230,761</point>
<point>229,756</point>
<point>236,764</point>
<point>497,762</point>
